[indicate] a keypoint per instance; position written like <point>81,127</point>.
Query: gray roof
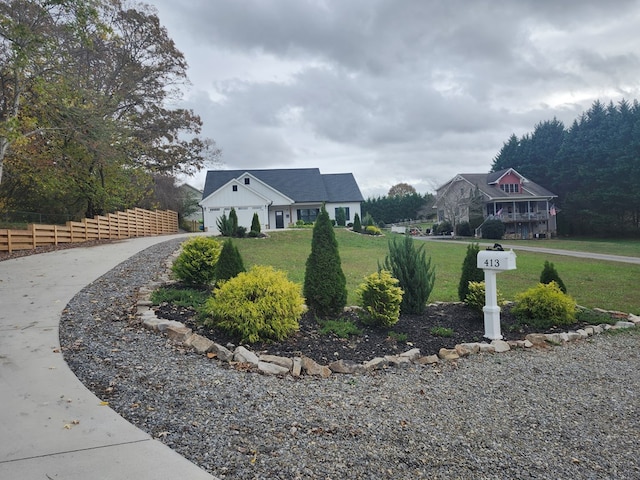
<point>486,184</point>
<point>302,185</point>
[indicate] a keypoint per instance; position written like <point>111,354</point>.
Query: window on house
<point>346,212</point>
<point>247,181</point>
<point>308,215</point>
<point>234,188</point>
<point>510,187</point>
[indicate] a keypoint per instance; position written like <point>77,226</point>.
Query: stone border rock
<point>243,359</point>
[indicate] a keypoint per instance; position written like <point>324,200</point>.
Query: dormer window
<point>510,187</point>
<point>247,181</point>
<point>234,188</point>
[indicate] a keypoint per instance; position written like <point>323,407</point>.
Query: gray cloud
<point>396,90</point>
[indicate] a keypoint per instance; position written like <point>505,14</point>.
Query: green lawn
<point>592,283</point>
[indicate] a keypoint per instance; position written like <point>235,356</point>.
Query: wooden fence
<point>135,222</point>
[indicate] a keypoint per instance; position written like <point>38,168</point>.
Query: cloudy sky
<point>396,91</point>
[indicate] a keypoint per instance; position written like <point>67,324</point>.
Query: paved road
<point>52,427</point>
<point>553,251</point>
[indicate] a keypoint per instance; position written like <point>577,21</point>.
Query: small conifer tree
<point>357,226</point>
<point>325,286</point>
<point>341,217</point>
<point>470,271</point>
<point>233,220</point>
<point>550,274</point>
<point>229,263</point>
<point>414,272</point>
<point>255,225</point>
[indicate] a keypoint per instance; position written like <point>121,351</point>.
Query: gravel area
<point>565,412</point>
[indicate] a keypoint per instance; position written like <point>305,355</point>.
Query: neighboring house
<point>192,197</point>
<point>526,208</point>
<point>279,197</point>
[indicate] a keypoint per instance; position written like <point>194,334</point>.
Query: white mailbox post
<point>492,262</point>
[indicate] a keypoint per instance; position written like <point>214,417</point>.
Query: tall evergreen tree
<point>325,286</point>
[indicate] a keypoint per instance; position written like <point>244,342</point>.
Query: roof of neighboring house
<point>487,183</point>
<point>299,184</point>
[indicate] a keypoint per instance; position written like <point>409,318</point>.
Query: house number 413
<point>492,262</point>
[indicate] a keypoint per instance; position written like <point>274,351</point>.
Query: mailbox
<point>496,260</point>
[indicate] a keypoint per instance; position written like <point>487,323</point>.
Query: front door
<point>279,219</point>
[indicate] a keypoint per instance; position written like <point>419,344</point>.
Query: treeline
<point>85,122</point>
<point>593,166</point>
<point>399,208</point>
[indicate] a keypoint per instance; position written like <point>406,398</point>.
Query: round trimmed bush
<point>380,298</point>
<point>261,304</point>
<point>476,296</point>
<point>545,306</point>
<point>196,263</point>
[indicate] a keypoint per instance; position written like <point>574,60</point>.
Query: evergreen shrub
<point>476,297</point>
<point>463,229</point>
<point>196,263</point>
<point>357,225</point>
<point>380,298</point>
<point>414,272</point>
<point>258,305</point>
<point>493,229</point>
<point>255,226</point>
<point>325,286</point>
<point>233,221</point>
<point>545,306</point>
<point>341,217</point>
<point>550,274</point>
<point>470,271</point>
<point>372,230</point>
<point>229,263</point>
<point>225,227</point>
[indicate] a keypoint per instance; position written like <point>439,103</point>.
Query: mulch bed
<point>466,324</point>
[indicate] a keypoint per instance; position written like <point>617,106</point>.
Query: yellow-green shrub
<point>380,298</point>
<point>372,230</point>
<point>545,306</point>
<point>196,263</point>
<point>476,296</point>
<point>261,304</point>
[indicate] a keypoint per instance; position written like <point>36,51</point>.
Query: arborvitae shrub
<point>357,226</point>
<point>413,270</point>
<point>476,297</point>
<point>550,274</point>
<point>545,306</point>
<point>325,286</point>
<point>233,220</point>
<point>341,217</point>
<point>380,298</point>
<point>255,226</point>
<point>258,305</point>
<point>229,263</point>
<point>470,271</point>
<point>196,263</point>
<point>493,229</point>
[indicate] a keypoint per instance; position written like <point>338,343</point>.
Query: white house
<point>280,197</point>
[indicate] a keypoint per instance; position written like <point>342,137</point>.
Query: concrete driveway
<point>52,426</point>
